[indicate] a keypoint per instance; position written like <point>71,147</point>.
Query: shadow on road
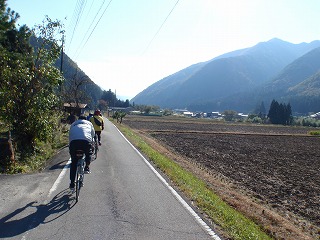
<point>18,222</point>
<point>59,165</point>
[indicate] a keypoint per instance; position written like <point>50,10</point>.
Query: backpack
<point>96,121</point>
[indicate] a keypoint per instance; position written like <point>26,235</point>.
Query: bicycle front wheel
<point>96,149</point>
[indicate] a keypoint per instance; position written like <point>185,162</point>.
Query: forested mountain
<point>162,93</point>
<point>232,80</point>
<point>76,80</point>
<point>298,84</point>
<point>295,72</point>
<point>78,87</point>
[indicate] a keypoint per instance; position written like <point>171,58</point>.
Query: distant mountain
<point>298,84</point>
<point>226,81</point>
<point>295,72</point>
<point>166,88</point>
<point>309,87</point>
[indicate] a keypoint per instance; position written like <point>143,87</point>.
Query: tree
<point>29,81</point>
<point>119,116</point>
<point>288,119</point>
<point>280,113</point>
<point>112,100</point>
<point>147,108</point>
<point>260,110</point>
<point>273,114</point>
<point>102,104</point>
<point>127,103</point>
<point>74,89</point>
<point>229,115</point>
<point>109,97</point>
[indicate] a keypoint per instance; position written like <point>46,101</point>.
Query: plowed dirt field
<point>271,173</point>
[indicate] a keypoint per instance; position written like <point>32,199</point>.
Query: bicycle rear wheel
<point>79,177</point>
<point>77,184</point>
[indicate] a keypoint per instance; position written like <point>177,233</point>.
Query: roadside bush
<point>314,133</point>
<point>30,161</point>
<point>255,119</point>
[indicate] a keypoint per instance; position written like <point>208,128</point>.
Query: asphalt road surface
<point>123,198</point>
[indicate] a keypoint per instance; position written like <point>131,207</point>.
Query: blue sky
<point>127,45</point>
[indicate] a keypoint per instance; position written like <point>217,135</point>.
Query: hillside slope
<point>227,75</point>
<point>298,84</point>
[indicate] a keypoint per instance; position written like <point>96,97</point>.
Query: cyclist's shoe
<point>99,143</point>
<point>71,186</point>
<point>87,170</point>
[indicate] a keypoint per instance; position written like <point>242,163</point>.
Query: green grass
<point>235,224</point>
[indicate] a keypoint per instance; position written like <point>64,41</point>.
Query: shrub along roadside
<point>236,225</point>
<point>27,162</point>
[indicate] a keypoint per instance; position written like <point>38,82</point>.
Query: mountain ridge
<point>226,75</point>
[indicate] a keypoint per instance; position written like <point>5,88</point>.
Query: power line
<point>78,12</point>
<point>89,10</point>
<point>160,27</point>
<point>80,7</point>
<point>74,15</point>
<point>76,9</point>
<point>97,23</point>
<point>89,28</point>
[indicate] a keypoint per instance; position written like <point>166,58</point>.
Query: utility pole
<point>61,58</point>
<point>62,54</point>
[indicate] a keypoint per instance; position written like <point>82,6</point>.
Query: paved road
<point>123,198</point>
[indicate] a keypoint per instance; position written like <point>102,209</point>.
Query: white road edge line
<point>58,180</point>
<point>174,192</point>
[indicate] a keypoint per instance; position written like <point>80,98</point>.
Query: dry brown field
<point>268,172</point>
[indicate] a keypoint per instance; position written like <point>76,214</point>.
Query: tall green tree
<point>288,114</point>
<point>280,113</point>
<point>111,99</point>
<point>29,80</point>
<point>273,114</point>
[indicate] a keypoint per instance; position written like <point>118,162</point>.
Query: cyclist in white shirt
<point>81,137</point>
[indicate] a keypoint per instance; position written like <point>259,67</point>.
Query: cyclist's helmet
<point>97,112</point>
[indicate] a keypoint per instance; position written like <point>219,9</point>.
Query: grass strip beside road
<point>235,224</point>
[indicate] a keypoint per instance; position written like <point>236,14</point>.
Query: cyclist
<point>81,137</point>
<point>89,116</point>
<point>98,124</point>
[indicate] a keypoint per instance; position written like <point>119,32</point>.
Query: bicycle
<point>80,172</point>
<point>96,147</point>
